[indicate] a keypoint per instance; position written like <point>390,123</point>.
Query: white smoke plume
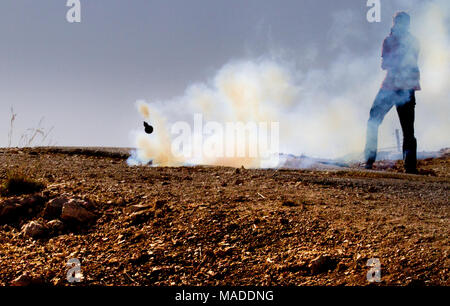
<point>433,107</point>
<point>322,113</point>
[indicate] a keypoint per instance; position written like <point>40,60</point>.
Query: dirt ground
<point>226,226</point>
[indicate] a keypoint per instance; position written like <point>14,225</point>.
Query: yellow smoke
<point>241,92</point>
<point>157,146</point>
<point>143,109</point>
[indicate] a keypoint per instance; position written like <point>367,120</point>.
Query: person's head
<point>402,22</point>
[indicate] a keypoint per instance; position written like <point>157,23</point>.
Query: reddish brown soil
<point>225,226</point>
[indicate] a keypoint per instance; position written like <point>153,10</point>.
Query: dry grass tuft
<point>17,183</point>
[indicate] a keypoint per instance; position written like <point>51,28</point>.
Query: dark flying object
<point>148,128</point>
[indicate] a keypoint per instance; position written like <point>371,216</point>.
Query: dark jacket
<point>399,57</point>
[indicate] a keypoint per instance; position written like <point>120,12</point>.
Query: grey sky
<point>85,78</point>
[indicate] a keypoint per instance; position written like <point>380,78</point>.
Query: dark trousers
<point>405,102</point>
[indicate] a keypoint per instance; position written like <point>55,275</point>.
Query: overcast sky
<point>85,77</point>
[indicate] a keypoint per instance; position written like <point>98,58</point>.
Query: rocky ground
<point>221,226</point>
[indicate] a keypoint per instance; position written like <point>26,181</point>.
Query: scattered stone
<point>296,268</point>
<point>341,267</point>
<point>159,213</point>
<point>8,209</point>
<point>140,217</point>
<point>53,208</point>
<point>34,229</point>
<point>57,281</point>
<point>27,280</point>
<point>138,207</point>
<point>137,236</point>
<point>139,259</point>
<point>74,211</point>
<point>205,222</point>
<point>322,263</point>
<point>225,252</point>
<point>239,182</point>
<point>15,209</point>
<point>289,204</point>
<point>56,226</point>
<point>372,189</point>
<point>160,204</point>
<point>240,199</point>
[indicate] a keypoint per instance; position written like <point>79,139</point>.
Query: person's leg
<point>381,106</point>
<point>406,114</point>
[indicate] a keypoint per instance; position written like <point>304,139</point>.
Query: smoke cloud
<point>322,113</point>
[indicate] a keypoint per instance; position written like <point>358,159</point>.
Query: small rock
<point>53,208</point>
<point>239,182</point>
<point>141,216</point>
<point>138,207</point>
<point>211,273</point>
<point>139,259</point>
<point>224,252</point>
<point>26,280</point>
<point>33,229</point>
<point>240,199</point>
<point>57,281</point>
<point>74,211</point>
<point>322,263</point>
<point>23,280</point>
<point>55,226</point>
<point>295,268</point>
<point>160,204</point>
<point>341,267</point>
<point>289,204</point>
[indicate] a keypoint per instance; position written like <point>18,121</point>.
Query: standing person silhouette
<point>399,57</point>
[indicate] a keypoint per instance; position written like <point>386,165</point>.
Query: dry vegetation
<point>221,226</point>
<point>31,137</point>
<point>18,183</point>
